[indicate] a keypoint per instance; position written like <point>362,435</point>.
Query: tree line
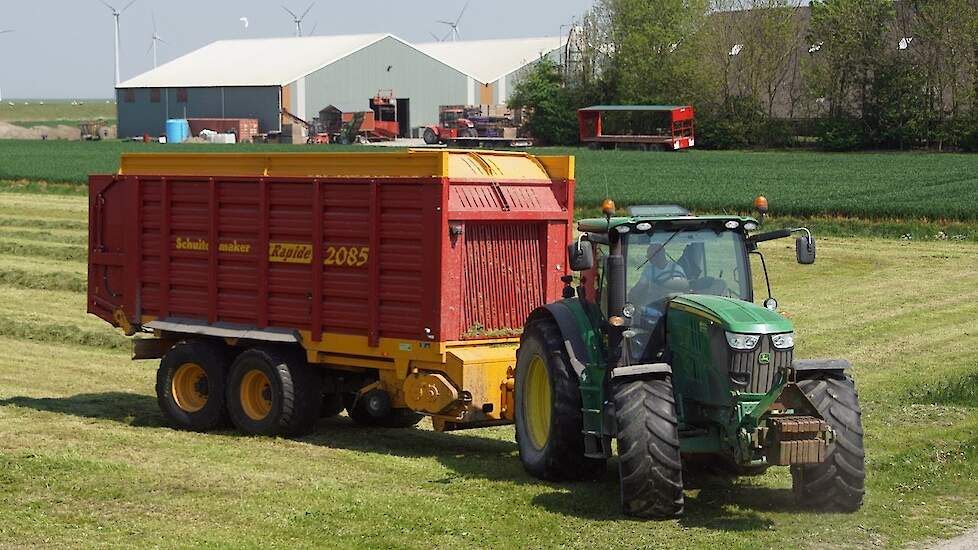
<point>840,74</point>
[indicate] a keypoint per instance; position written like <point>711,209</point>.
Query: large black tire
<point>430,137</point>
<point>838,484</point>
<point>650,464</point>
<point>190,386</point>
<point>394,418</point>
<point>554,449</point>
<point>273,393</point>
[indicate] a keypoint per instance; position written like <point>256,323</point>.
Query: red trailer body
<point>679,131</point>
<point>357,255</point>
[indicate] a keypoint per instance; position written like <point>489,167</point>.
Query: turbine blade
<point>5,31</point>
<point>152,14</point>
<point>443,22</point>
<point>123,10</point>
<point>150,48</point>
<point>313,31</point>
<point>106,4</point>
<point>465,7</point>
<point>435,36</point>
<point>307,10</point>
<point>294,16</point>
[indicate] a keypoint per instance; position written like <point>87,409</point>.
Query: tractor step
<point>797,440</point>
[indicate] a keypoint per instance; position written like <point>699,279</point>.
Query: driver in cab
<point>660,276</point>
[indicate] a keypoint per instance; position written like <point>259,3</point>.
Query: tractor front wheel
<point>549,420</point>
<point>838,483</point>
<point>650,466</point>
<point>430,137</point>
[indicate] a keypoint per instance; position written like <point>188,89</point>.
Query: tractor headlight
<point>742,341</point>
<point>783,341</point>
<point>628,310</point>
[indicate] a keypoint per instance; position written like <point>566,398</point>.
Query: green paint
<point>735,315</point>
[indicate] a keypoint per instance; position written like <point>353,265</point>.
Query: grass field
<point>54,111</point>
<point>935,187</point>
<point>86,461</point>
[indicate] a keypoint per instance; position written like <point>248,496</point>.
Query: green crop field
<point>905,186</point>
<point>54,111</point>
<point>85,459</point>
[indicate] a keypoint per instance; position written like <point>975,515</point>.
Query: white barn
<point>258,78</point>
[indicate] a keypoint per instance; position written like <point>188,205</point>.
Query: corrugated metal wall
<point>387,64</point>
<point>143,116</point>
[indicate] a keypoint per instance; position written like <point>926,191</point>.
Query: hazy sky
<point>63,48</point>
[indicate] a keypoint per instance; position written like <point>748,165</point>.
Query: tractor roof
<point>603,225</point>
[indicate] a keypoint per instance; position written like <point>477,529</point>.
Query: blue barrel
<point>177,130</point>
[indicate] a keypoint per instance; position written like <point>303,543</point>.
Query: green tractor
<point>661,347</point>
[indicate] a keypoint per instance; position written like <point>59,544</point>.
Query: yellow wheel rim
<point>256,395</point>
<point>189,387</point>
<point>537,402</point>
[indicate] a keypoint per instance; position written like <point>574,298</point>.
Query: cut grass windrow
<point>33,250</point>
<point>71,237</point>
<point>42,223</point>
<point>42,280</point>
<point>61,333</point>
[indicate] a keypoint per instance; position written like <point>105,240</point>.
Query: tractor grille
<point>760,377</point>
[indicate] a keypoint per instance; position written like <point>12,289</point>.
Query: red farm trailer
<point>648,127</point>
<point>280,288</point>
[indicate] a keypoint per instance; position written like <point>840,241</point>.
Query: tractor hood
<point>733,314</point>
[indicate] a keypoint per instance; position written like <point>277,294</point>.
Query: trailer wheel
<point>190,386</point>
<point>430,137</point>
<point>273,393</point>
<point>837,484</point>
<point>548,408</point>
<point>650,466</point>
<point>367,411</point>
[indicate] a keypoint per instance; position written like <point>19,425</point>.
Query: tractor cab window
<point>664,264</point>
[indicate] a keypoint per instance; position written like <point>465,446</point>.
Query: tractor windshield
<point>663,264</point>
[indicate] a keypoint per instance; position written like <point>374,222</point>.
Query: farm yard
<point>86,459</point>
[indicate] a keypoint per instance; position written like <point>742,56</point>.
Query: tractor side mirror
<point>805,249</point>
<point>580,255</point>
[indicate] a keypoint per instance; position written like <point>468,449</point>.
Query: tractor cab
<point>662,346</point>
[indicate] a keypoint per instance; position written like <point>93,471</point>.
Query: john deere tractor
<point>661,346</point>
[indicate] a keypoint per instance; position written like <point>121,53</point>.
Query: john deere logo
<point>764,358</point>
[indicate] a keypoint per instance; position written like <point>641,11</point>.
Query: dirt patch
<point>12,131</point>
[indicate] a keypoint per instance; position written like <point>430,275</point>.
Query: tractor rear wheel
<point>190,386</point>
<point>650,466</point>
<point>549,420</point>
<point>273,393</point>
<point>838,484</point>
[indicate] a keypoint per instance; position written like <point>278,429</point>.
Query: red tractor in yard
<point>452,124</point>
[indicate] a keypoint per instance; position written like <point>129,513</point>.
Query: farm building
<point>261,78</point>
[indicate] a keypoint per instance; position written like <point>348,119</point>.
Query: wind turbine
<point>297,19</point>
<point>155,39</point>
<point>453,32</point>
<point>115,14</point>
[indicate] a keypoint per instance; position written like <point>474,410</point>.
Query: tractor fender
<point>820,364</point>
<point>573,341</point>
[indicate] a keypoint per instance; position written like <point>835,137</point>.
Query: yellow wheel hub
<point>537,402</point>
<point>189,387</point>
<point>256,395</point>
